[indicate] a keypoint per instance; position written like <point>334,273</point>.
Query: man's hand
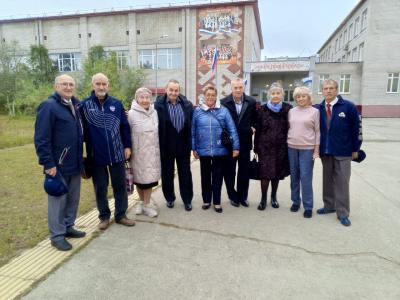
<point>127,153</point>
<point>235,153</point>
<point>354,155</point>
<point>196,155</point>
<point>52,171</point>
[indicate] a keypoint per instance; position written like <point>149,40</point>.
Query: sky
<point>289,27</point>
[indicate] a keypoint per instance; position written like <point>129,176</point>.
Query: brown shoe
<point>103,225</point>
<point>127,222</point>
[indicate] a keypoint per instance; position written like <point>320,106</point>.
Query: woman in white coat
<point>145,159</point>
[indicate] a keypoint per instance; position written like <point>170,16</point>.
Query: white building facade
<point>167,42</point>
<point>362,55</point>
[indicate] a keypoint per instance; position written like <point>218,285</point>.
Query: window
<point>364,20</point>
<point>336,46</point>
<point>344,86</point>
<point>322,78</point>
<point>340,41</point>
<point>344,58</point>
<point>357,26</point>
<point>360,52</point>
<point>67,62</point>
<point>393,83</point>
<point>344,37</point>
<point>123,60</point>
<point>354,54</point>
<point>146,58</point>
<point>167,58</point>
<point>350,32</point>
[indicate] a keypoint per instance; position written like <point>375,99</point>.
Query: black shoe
<point>73,233</point>
<point>294,207</point>
<point>274,202</point>
<point>244,203</point>
<point>307,213</point>
<point>61,245</point>
<point>170,204</point>
<point>262,205</point>
<point>188,206</point>
<point>235,203</point>
<point>218,209</point>
<point>205,206</point>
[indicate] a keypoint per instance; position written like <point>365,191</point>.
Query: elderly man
<point>243,111</point>
<point>108,146</point>
<point>175,123</point>
<point>58,142</point>
<point>341,138</point>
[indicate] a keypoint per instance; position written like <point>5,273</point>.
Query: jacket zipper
<point>211,137</point>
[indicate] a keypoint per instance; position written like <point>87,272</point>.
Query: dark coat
<point>270,142</point>
<point>107,131</point>
<point>57,130</point>
<point>172,143</point>
<point>244,121</point>
<point>344,135</point>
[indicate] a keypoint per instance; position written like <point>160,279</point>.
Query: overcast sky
<point>289,27</point>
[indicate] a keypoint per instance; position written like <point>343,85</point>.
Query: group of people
<point>154,137</point>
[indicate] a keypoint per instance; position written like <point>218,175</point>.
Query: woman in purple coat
<point>270,143</point>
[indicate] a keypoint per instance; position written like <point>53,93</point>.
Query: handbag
<point>226,138</point>
<point>255,168</point>
<point>129,178</point>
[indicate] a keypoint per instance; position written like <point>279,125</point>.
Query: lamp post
<point>161,37</point>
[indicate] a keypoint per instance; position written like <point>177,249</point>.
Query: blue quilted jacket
<point>206,131</point>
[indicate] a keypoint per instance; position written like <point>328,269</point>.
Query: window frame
<point>390,81</point>
<point>344,78</point>
<point>321,79</point>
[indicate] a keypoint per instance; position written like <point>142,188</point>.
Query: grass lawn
<point>16,131</point>
<point>23,202</point>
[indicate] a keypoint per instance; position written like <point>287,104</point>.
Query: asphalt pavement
<point>244,253</point>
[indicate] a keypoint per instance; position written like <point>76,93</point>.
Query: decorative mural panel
<point>219,30</point>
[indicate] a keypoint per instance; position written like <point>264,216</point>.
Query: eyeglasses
<point>67,84</point>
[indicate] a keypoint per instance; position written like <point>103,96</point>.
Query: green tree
<point>123,83</point>
<point>43,70</point>
<point>11,71</point>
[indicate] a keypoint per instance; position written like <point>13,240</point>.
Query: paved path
<point>247,254</point>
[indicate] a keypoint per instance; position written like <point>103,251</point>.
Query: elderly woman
<point>209,119</point>
<point>145,159</point>
<point>270,143</point>
<point>303,142</point>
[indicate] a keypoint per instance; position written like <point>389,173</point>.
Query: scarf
<point>274,107</point>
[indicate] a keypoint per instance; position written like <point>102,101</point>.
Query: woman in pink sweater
<point>303,147</point>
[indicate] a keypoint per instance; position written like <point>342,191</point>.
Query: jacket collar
<point>204,107</point>
<point>57,97</point>
<point>340,101</point>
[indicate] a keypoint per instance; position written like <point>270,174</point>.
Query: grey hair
<point>58,78</point>
<point>142,90</point>
<point>173,81</point>
<point>330,81</point>
<point>275,86</point>
<point>302,90</point>
<point>238,80</point>
<point>99,75</point>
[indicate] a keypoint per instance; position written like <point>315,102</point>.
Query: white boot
<point>139,208</point>
<point>150,211</point>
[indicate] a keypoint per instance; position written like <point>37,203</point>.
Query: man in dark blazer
<point>175,125</point>
<point>243,111</point>
<point>341,138</point>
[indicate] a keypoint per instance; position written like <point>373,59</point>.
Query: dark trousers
<point>243,176</point>
<point>336,173</point>
<point>184,178</point>
<point>100,181</point>
<point>211,171</point>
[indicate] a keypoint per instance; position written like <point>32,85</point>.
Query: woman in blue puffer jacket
<point>208,120</point>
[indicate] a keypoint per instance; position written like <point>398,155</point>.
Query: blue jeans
<point>301,174</point>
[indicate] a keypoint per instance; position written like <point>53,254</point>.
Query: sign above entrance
<point>280,66</point>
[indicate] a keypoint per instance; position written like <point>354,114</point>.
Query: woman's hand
<point>196,156</point>
<point>235,153</point>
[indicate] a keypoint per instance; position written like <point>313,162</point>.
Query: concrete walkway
<point>247,254</point>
